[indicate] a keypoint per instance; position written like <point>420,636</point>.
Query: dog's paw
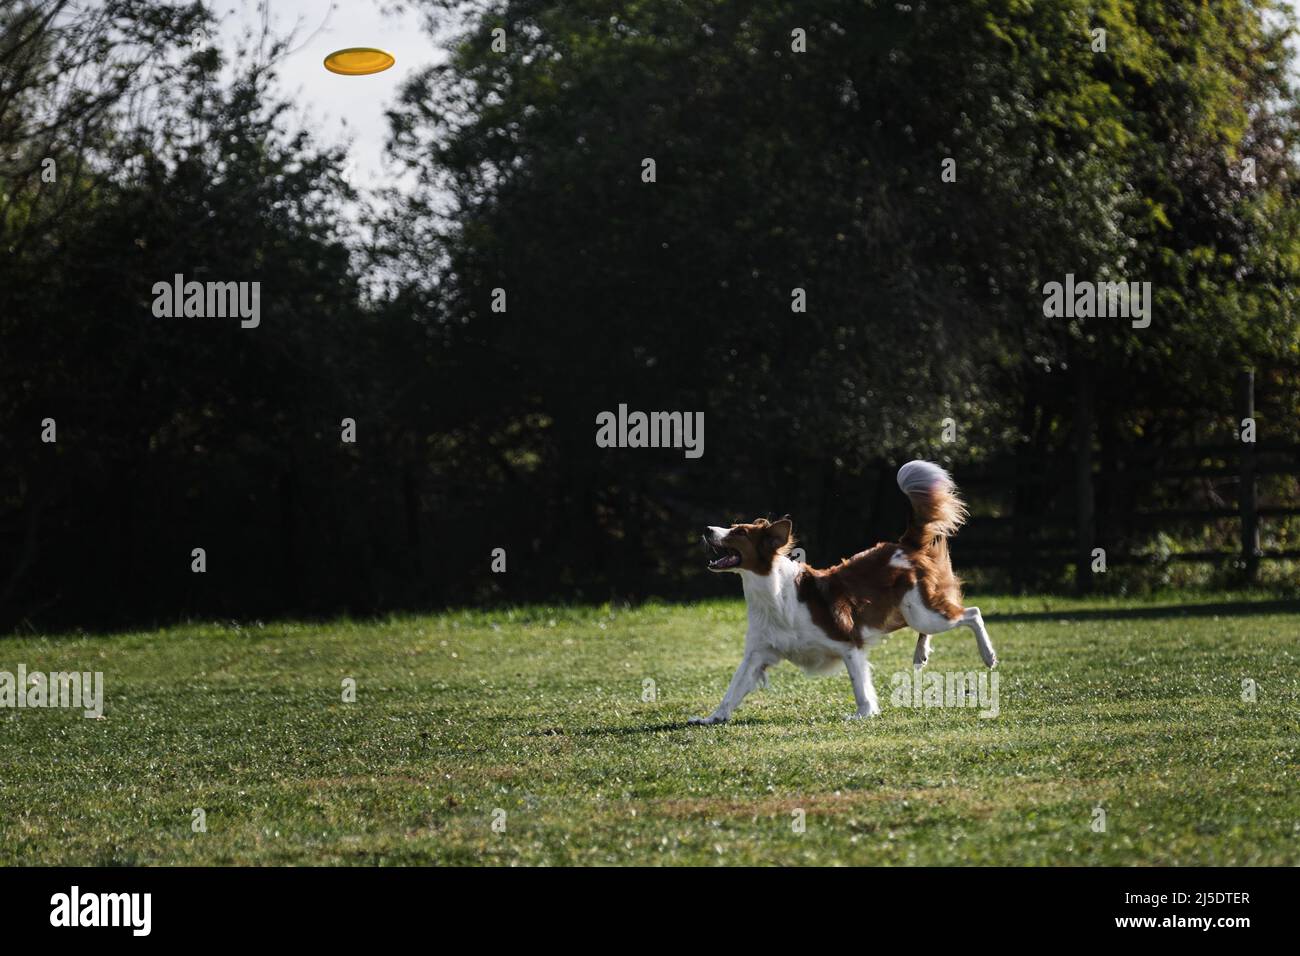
<point>922,655</point>
<point>707,721</point>
<point>989,655</point>
<point>863,715</point>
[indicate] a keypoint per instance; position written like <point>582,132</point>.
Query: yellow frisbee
<point>358,61</point>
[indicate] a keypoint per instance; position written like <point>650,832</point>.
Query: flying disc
<point>358,61</point>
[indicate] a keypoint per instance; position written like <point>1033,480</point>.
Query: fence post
<point>1023,502</point>
<point>1084,502</point>
<point>1246,498</point>
<point>1020,557</point>
<point>288,533</point>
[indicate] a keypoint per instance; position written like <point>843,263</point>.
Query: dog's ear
<point>778,533</point>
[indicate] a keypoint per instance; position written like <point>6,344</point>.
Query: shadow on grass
<point>1219,609</point>
<point>635,730</point>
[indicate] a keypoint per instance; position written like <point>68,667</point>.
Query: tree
<point>822,170</point>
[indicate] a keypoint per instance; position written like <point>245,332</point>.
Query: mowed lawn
<point>537,720</point>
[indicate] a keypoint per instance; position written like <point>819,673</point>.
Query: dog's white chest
<point>807,648</point>
<point>782,626</point>
<point>870,636</point>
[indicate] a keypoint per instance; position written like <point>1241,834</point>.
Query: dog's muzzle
<point>720,558</point>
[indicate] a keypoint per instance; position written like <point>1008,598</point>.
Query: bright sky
<point>341,109</point>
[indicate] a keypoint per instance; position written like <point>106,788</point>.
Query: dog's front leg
<point>746,678</point>
<point>864,688</point>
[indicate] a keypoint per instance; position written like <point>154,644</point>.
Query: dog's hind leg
<point>922,655</point>
<point>927,621</point>
<point>972,618</point>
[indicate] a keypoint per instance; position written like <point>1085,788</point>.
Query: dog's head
<point>748,547</point>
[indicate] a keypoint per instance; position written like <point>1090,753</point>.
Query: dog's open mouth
<point>720,558</point>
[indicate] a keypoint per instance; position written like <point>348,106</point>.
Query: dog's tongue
<point>726,561</point>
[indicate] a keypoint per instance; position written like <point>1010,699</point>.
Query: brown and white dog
<point>820,619</point>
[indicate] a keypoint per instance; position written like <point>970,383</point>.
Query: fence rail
<point>1019,539</point>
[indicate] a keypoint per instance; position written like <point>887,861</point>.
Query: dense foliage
<point>796,146</point>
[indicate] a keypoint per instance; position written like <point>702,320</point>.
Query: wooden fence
<point>1035,531</point>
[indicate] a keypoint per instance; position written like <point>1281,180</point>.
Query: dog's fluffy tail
<point>937,511</point>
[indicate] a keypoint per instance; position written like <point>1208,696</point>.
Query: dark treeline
<point>918,171</point>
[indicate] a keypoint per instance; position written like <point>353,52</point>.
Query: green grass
<point>1134,707</point>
